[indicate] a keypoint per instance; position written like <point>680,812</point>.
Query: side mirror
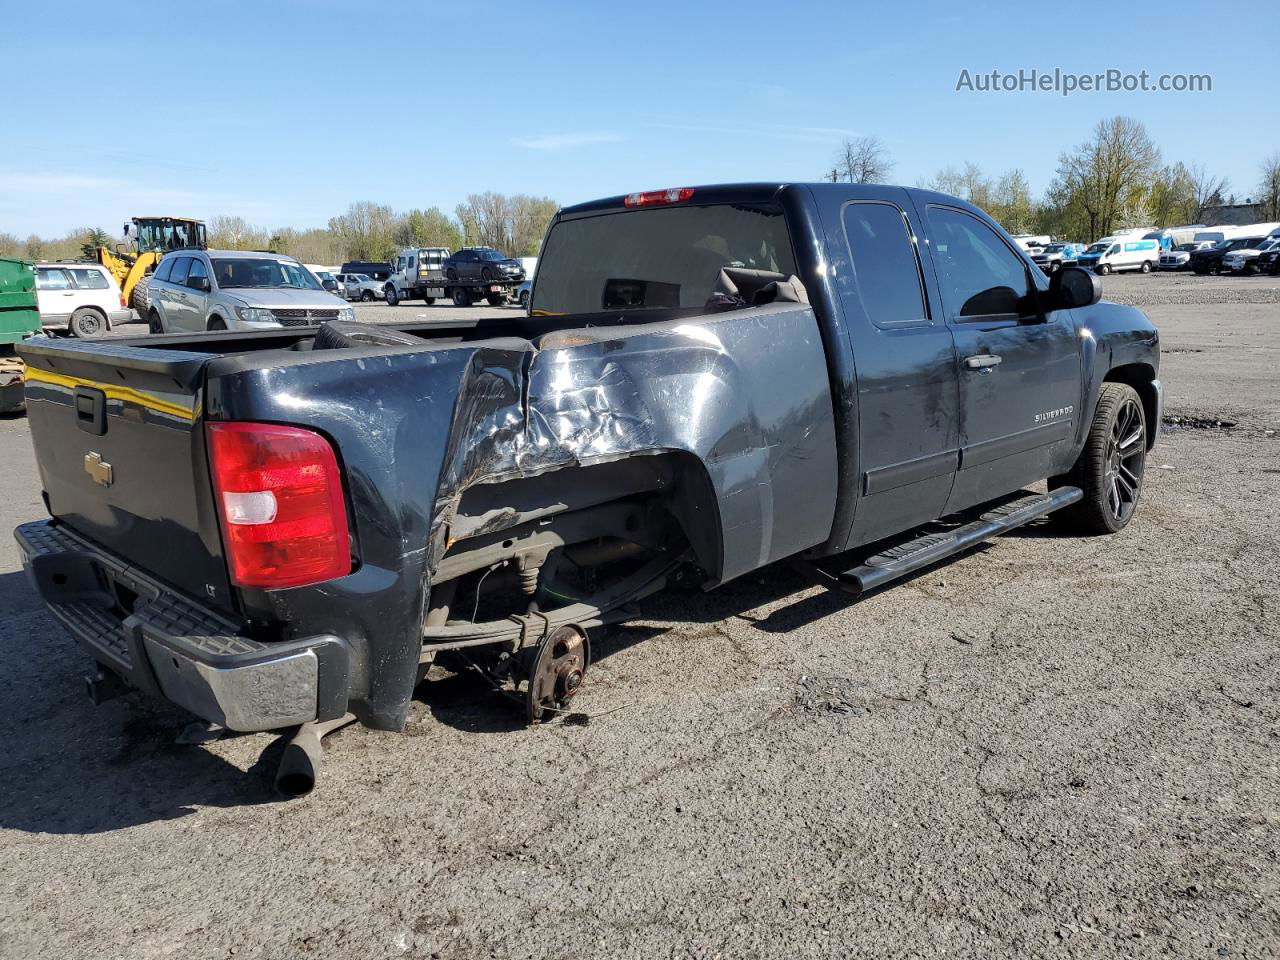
<point>199,283</point>
<point>330,285</point>
<point>1074,287</point>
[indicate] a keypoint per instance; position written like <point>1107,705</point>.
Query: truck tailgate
<point>119,439</point>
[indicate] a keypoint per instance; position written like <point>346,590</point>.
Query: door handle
<point>982,361</point>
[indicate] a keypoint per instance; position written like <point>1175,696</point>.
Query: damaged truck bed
<point>282,528</point>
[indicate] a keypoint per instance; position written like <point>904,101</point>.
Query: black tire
<point>217,323</point>
<point>366,296</point>
<point>461,297</point>
<point>524,299</point>
<point>451,274</point>
<point>486,275</point>
<point>1200,271</point>
<point>393,297</point>
<point>496,299</point>
<point>1146,266</point>
<point>140,299</point>
<point>428,300</point>
<point>154,325</point>
<point>1104,269</point>
<point>1110,467</point>
<point>87,322</point>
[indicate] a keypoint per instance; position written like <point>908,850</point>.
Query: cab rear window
<point>662,258</point>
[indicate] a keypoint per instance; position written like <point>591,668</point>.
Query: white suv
<point>81,298</point>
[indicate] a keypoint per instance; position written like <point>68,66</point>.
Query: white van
<point>1121,252</point>
<point>81,298</point>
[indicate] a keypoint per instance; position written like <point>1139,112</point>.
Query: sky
<point>285,111</point>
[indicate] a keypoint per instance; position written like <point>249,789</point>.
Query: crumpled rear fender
<point>744,392</point>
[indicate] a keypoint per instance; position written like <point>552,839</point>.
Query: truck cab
<point>414,270</point>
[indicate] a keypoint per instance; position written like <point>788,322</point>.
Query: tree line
<point>1116,178</point>
<point>365,231</point>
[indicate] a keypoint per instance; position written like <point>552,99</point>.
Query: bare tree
<point>1104,173</point>
<point>514,224</point>
<point>9,245</point>
<point>234,233</point>
<point>862,160</point>
<point>1269,187</point>
<point>1206,190</point>
<point>365,231</point>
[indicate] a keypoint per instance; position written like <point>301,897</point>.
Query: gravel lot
<point>1051,746</point>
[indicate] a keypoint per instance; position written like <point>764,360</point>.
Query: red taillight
<point>279,495</point>
<point>654,198</point>
<point>122,303</point>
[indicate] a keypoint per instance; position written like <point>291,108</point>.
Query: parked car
<point>523,292</point>
<point>328,280</point>
<point>1210,260</point>
<point>1121,252</point>
<point>361,286</point>
<point>1179,258</point>
<point>1269,262</point>
<point>341,506</point>
<point>1052,257</point>
<point>82,299</point>
<point>1242,259</point>
<point>481,263</point>
<point>237,290</point>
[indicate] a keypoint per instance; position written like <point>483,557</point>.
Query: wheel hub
<point>558,670</point>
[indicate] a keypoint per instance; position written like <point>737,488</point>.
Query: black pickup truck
<point>285,527</point>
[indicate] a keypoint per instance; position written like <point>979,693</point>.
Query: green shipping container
<point>19,316</point>
<point>19,319</point>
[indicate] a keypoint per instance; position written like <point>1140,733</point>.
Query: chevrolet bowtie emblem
<point>97,468</point>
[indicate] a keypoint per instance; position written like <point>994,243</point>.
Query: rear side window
<point>885,267</point>
<point>660,258</point>
<point>87,279</point>
<point>179,272</point>
<point>52,280</point>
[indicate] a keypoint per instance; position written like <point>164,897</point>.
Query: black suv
<point>1268,262</point>
<point>1210,260</point>
<point>481,263</point>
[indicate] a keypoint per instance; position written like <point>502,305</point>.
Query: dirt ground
<point>1051,746</point>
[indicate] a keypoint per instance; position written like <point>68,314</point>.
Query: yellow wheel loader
<point>151,238</point>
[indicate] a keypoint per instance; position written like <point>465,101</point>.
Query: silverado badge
<point>97,468</point>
